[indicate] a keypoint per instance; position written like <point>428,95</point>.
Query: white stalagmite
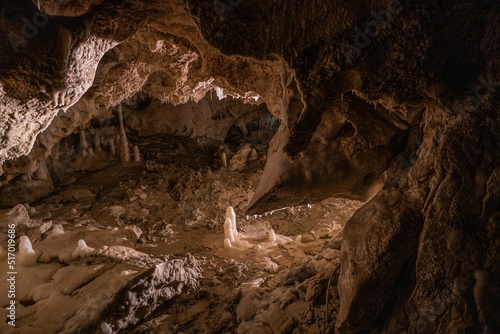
<point>57,230</point>
<point>228,229</point>
<point>84,145</point>
<point>124,149</point>
<point>97,142</point>
<point>112,147</point>
<point>232,216</point>
<point>27,256</point>
<point>82,250</point>
<point>227,243</point>
<point>137,155</point>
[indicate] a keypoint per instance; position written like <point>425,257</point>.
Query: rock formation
<point>391,102</point>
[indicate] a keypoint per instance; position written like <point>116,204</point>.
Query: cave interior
<point>240,166</point>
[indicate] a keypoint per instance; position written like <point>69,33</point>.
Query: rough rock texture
<point>162,39</point>
<point>209,118</point>
<point>75,292</point>
<point>140,249</point>
<point>433,69</point>
<point>347,156</point>
<point>399,97</point>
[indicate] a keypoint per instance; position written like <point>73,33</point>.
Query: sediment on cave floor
<point>156,225</point>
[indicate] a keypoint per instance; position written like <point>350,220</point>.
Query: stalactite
<point>124,148</point>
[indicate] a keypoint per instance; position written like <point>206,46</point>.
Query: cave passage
<point>248,166</point>
<point>91,215</point>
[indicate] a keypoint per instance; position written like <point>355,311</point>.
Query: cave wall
<point>418,256</point>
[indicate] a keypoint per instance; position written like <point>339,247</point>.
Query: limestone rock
<point>239,160</point>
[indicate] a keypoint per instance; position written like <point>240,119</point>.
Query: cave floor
<point>169,206</point>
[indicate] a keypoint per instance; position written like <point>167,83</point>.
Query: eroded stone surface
<point>416,81</point>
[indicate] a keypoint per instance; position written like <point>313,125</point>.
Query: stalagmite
<point>97,142</point>
<point>42,173</point>
<point>224,160</point>
<point>137,155</point>
<point>480,295</point>
<point>253,155</point>
<point>84,145</point>
<point>124,148</point>
<point>82,250</point>
<point>272,235</point>
<point>227,244</point>
<point>228,229</point>
<point>27,255</point>
<point>112,147</point>
<point>57,230</point>
<point>232,216</point>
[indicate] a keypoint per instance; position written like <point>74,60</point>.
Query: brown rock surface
<point>392,102</point>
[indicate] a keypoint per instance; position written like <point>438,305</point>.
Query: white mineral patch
<point>119,252</point>
<point>82,250</point>
<point>57,230</point>
<point>220,93</point>
<point>128,272</point>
